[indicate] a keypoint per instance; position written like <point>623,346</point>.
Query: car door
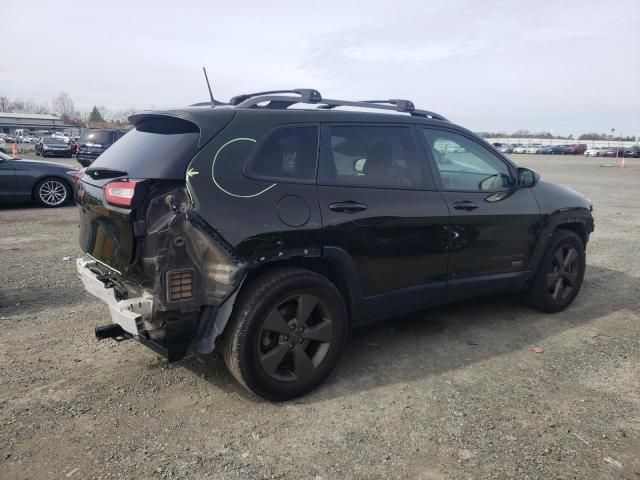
<point>494,224</point>
<point>7,180</point>
<point>383,221</point>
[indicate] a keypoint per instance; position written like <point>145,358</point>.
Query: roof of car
<point>201,115</point>
<point>303,104</point>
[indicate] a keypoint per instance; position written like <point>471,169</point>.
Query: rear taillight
<point>76,174</point>
<point>120,193</point>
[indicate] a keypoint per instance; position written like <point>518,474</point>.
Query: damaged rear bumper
<point>134,314</point>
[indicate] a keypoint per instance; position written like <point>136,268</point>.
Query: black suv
<point>93,143</point>
<point>272,231</point>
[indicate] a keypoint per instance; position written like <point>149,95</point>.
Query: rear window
<point>97,136</point>
<point>155,148</point>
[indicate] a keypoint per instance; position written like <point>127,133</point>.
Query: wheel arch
<point>578,228</point>
<point>323,265</point>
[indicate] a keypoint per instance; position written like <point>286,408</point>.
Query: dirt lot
<point>455,392</point>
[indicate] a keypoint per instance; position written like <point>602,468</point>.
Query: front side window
<point>464,164</point>
<point>371,156</point>
<point>288,154</point>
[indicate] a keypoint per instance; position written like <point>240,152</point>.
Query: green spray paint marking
<point>213,166</point>
<point>104,264</point>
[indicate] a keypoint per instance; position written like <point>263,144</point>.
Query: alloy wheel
<point>563,274</point>
<point>295,338</point>
<point>53,193</point>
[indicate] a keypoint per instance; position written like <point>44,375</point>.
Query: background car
<point>575,149</point>
<point>3,145</point>
<point>49,184</point>
<point>612,152</point>
<point>534,148</point>
<point>633,151</point>
<point>520,149</point>
<point>53,147</point>
<point>558,150</point>
<point>94,142</point>
<point>506,148</point>
<point>593,152</point>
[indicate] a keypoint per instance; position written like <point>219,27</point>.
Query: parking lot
<point>455,392</point>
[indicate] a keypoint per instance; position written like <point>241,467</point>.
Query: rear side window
<point>156,148</point>
<point>371,156</point>
<point>287,154</point>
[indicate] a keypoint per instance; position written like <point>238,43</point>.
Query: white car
<point>520,149</point>
<point>535,148</point>
<point>3,145</point>
<point>593,151</point>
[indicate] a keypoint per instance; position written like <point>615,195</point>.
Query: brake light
<point>120,193</point>
<point>76,174</point>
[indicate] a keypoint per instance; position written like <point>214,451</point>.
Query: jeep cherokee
<point>274,224</point>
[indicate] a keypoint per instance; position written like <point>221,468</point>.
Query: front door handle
<point>467,205</point>
<point>349,206</point>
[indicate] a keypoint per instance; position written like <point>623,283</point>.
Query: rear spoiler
<point>209,122</point>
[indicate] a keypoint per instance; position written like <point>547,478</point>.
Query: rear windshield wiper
<point>101,172</point>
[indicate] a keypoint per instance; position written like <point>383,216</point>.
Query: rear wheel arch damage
<point>214,321</point>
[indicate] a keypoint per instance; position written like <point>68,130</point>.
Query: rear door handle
<point>349,206</point>
<point>465,205</point>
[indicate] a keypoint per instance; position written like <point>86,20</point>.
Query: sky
<point>559,66</point>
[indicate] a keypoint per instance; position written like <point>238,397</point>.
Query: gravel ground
<point>455,392</point>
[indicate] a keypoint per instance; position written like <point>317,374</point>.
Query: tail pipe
<point>110,331</point>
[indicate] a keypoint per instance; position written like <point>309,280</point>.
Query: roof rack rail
<point>307,95</point>
<point>278,101</point>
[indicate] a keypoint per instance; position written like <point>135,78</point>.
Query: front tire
<point>286,334</point>
<point>560,273</point>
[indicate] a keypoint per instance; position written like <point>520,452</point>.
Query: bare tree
<point>28,106</point>
<point>63,105</point>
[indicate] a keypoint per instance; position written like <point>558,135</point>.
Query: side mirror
<point>527,178</point>
<point>358,165</point>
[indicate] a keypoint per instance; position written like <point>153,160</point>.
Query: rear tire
<point>286,334</point>
<point>560,274</point>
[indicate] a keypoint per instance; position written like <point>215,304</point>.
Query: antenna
<point>209,87</point>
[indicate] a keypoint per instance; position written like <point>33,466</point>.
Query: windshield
<point>53,141</point>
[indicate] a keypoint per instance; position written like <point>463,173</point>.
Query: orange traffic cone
<point>15,150</point>
<point>621,163</point>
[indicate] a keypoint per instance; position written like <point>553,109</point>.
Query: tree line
<point>63,106</point>
<point>584,136</point>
